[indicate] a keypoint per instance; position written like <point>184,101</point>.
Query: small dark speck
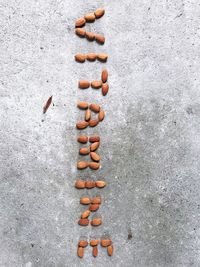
<point>194,229</point>
<point>53,104</point>
<point>130,236</point>
<point>174,122</point>
<point>22,205</point>
<point>149,8</point>
<point>32,245</point>
<point>41,48</point>
<point>42,120</point>
<point>47,81</point>
<point>189,110</point>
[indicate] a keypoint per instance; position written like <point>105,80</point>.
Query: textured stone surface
<point>150,137</point>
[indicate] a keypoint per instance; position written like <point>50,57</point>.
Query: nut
<point>82,125</point>
<point>94,138</point>
<point>82,139</point>
<point>80,22</point>
<point>85,214</point>
<point>105,88</point>
<point>82,105</point>
<point>106,242</point>
<point>102,57</point>
<point>101,115</point>
<point>100,184</point>
<point>90,17</point>
<point>80,32</point>
<point>80,58</point>
<point>90,184</point>
<point>82,165</point>
<point>95,107</point>
<point>99,12</point>
<point>84,84</point>
<point>96,200</point>
<point>80,252</point>
<point>94,207</point>
<point>94,156</point>
<point>83,222</point>
<point>94,165</point>
<point>83,243</point>
<point>84,150</point>
<point>96,84</point>
<point>100,38</point>
<point>87,115</point>
<point>85,201</point>
<point>93,123</point>
<point>94,242</point>
<point>91,57</point>
<point>94,146</point>
<point>90,36</point>
<point>80,184</point>
<point>95,251</point>
<point>104,76</point>
<point>96,222</point>
<point>110,250</point>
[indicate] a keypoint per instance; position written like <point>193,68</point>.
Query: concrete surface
<point>150,137</point>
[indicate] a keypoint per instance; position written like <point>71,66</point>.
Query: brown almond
<point>91,57</point>
<point>94,107</point>
<point>94,207</point>
<point>85,214</point>
<point>94,138</point>
<point>90,184</point>
<point>84,150</point>
<point>84,84</point>
<point>100,184</point>
<point>102,57</point>
<point>110,250</point>
<point>105,88</point>
<point>95,251</point>
<point>80,58</point>
<point>80,252</point>
<point>94,146</point>
<point>101,115</point>
<point>82,105</point>
<point>90,17</point>
<point>94,156</point>
<point>90,36</point>
<point>94,242</point>
<point>87,115</point>
<point>100,38</point>
<point>82,165</point>
<point>106,242</point>
<point>82,139</point>
<point>93,123</point>
<point>80,184</point>
<point>96,222</point>
<point>82,125</point>
<point>104,76</point>
<point>99,12</point>
<point>83,243</point>
<point>94,165</point>
<point>96,84</point>
<point>83,222</point>
<point>80,32</point>
<point>85,201</point>
<point>96,200</point>
<point>80,22</point>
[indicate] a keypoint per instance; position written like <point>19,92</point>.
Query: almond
<point>90,17</point>
<point>99,12</point>
<point>94,146</point>
<point>105,88</point>
<point>101,115</point>
<point>100,38</point>
<point>80,22</point>
<point>94,242</point>
<point>104,76</point>
<point>94,138</point>
<point>80,252</point>
<point>102,57</point>
<point>80,58</point>
<point>82,105</point>
<point>100,184</point>
<point>82,165</point>
<point>91,57</point>
<point>95,251</point>
<point>80,32</point>
<point>94,156</point>
<point>94,165</point>
<point>93,123</point>
<point>84,84</point>
<point>85,214</point>
<point>87,115</point>
<point>96,222</point>
<point>83,222</point>
<point>94,207</point>
<point>110,250</point>
<point>95,107</point>
<point>90,184</point>
<point>85,201</point>
<point>90,36</point>
<point>84,150</point>
<point>80,184</point>
<point>82,139</point>
<point>82,125</point>
<point>83,243</point>
<point>96,200</point>
<point>106,242</point>
<point>96,84</point>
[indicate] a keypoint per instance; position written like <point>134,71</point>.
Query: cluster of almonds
<point>84,84</point>
<point>105,243</point>
<point>81,184</point>
<point>91,57</point>
<point>88,121</point>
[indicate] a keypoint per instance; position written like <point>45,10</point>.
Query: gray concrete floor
<point>150,138</point>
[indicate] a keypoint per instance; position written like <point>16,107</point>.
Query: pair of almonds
<point>84,84</point>
<point>90,17</point>
<point>86,150</point>
<point>84,105</point>
<point>84,139</point>
<point>91,57</point>
<point>94,222</point>
<point>80,184</point>
<point>91,164</point>
<point>90,35</point>
<point>105,86</point>
<point>87,200</point>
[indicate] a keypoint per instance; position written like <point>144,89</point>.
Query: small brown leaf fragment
<point>48,103</point>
